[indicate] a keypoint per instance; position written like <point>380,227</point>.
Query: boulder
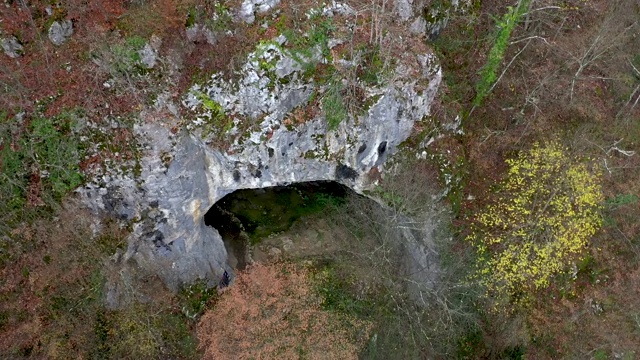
<point>148,56</point>
<point>59,32</point>
<point>11,47</point>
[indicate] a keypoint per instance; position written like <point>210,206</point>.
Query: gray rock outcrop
<point>198,31</point>
<point>148,56</point>
<point>429,17</point>
<point>249,8</point>
<point>11,47</point>
<point>59,32</point>
<point>183,175</point>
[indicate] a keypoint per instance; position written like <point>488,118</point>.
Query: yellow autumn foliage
<point>548,208</point>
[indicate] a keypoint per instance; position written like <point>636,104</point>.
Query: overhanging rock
<point>182,175</point>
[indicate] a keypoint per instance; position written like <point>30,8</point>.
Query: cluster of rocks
<point>58,33</point>
<point>250,8</point>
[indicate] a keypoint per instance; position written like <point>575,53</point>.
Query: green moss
<point>285,80</point>
<point>166,159</point>
<point>268,67</point>
<point>327,153</point>
<point>209,104</point>
<point>310,154</point>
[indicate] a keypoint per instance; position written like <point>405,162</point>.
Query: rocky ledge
<point>278,134</point>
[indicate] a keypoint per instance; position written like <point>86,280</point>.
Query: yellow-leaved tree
<point>546,211</point>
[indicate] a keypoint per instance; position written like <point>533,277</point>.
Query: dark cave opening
<point>246,216</point>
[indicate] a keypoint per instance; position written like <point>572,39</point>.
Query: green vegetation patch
<point>215,16</point>
<point>195,298</point>
<point>372,65</point>
<point>126,58</point>
<point>216,121</point>
<point>489,73</point>
<point>334,290</point>
<point>303,47</point>
<point>335,110</point>
<point>68,290</point>
<point>139,331</point>
<point>39,164</point>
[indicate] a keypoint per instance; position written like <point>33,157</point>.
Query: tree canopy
<point>547,209</point>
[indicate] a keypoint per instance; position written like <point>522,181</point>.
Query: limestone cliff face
<point>182,175</point>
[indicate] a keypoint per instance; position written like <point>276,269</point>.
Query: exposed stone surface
<point>198,31</point>
<point>11,47</point>
<point>148,56</point>
<point>404,9</point>
<point>249,8</point>
<point>182,175</point>
<point>59,32</point>
<point>338,9</point>
<point>427,16</point>
<point>418,26</point>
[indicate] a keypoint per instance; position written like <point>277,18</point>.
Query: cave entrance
<point>246,216</point>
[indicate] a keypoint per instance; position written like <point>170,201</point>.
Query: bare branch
<point>595,51</point>
<point>547,8</point>
<point>530,38</point>
<point>509,65</point>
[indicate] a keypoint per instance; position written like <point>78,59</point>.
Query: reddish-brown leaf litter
<point>271,312</point>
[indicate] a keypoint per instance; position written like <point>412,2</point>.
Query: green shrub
<point>334,291</point>
<point>488,73</point>
<point>621,200</point>
<point>372,65</point>
<point>218,18</point>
